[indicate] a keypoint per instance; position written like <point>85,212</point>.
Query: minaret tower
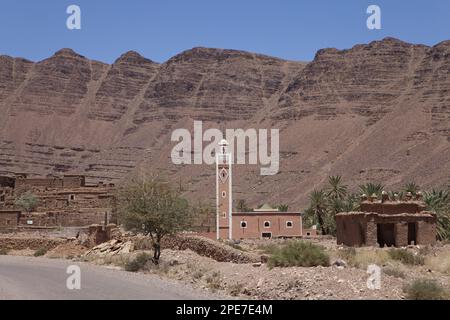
<point>223,192</point>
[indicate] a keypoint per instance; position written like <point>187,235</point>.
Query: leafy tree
<point>411,187</point>
<point>372,188</point>
<point>325,204</point>
<point>152,207</point>
<point>439,202</point>
<point>318,207</point>
<point>27,201</point>
<point>336,190</point>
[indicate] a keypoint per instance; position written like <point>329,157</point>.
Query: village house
<point>387,222</point>
<point>65,201</point>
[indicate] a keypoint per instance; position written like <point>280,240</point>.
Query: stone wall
<point>11,243</point>
<point>368,228</point>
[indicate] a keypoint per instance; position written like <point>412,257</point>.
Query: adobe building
<point>264,222</point>
<point>388,223</point>
<point>64,201</point>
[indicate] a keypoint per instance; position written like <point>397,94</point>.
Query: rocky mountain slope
<point>375,112</point>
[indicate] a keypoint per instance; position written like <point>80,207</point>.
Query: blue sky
<point>290,29</point>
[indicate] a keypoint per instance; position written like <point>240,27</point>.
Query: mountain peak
<point>132,57</point>
<point>67,52</point>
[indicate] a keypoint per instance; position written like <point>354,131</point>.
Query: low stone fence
<point>29,243</point>
<point>203,246</point>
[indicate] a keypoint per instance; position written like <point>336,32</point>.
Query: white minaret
<point>223,192</point>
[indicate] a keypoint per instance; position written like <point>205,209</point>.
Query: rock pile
<point>113,247</point>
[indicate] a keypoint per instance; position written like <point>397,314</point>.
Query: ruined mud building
<point>388,223</point>
<point>65,201</point>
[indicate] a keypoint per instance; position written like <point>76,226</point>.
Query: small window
<point>72,197</point>
<point>224,214</point>
<point>243,224</point>
<point>289,224</point>
<point>266,224</point>
<point>308,234</point>
<point>224,194</point>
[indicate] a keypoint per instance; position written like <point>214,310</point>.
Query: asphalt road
<point>39,278</point>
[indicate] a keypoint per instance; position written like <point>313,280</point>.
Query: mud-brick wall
<point>392,208</point>
<point>40,183</point>
<point>29,243</point>
<point>9,219</point>
<point>426,233</point>
<point>351,229</point>
<point>73,182</point>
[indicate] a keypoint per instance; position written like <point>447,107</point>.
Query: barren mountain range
<point>376,112</point>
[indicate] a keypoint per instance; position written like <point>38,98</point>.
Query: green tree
<point>411,187</point>
<point>27,201</point>
<point>283,208</point>
<point>372,188</point>
<point>152,207</point>
<point>336,190</point>
<point>439,202</point>
<point>318,207</point>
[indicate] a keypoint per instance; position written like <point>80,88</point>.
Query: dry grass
<point>214,280</point>
<point>440,262</point>
<point>425,289</point>
<point>394,272</point>
<point>362,257</point>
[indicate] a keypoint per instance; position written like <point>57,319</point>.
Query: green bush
<point>269,248</point>
<point>425,289</point>
<point>3,252</point>
<point>299,253</point>
<point>40,252</point>
<point>137,263</point>
<point>406,257</point>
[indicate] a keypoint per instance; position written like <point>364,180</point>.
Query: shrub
<point>394,272</point>
<point>3,252</point>
<point>270,248</point>
<point>425,289</point>
<point>348,254</point>
<point>406,257</point>
<point>299,253</point>
<point>235,245</point>
<point>40,252</point>
<point>137,263</point>
<point>214,280</point>
<point>236,289</point>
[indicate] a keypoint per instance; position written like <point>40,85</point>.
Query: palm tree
<point>351,204</point>
<point>336,189</point>
<point>439,202</point>
<point>411,187</point>
<point>371,188</point>
<point>318,205</point>
<point>283,208</point>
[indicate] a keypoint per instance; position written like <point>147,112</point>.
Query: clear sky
<point>159,29</point>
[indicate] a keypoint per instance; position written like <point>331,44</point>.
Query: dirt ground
<point>346,278</point>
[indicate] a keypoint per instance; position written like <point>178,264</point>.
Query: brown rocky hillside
<point>378,111</point>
